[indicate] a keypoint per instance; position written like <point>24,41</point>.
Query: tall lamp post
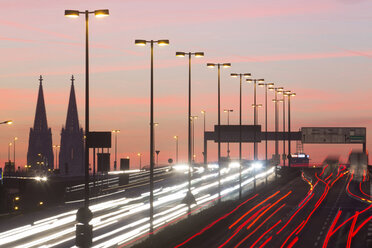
<point>228,111</point>
<point>277,90</point>
<point>289,95</point>
<point>193,118</point>
<point>218,65</point>
<point>152,148</point>
<point>116,146</point>
<point>283,100</point>
<point>189,159</point>
<point>266,85</point>
<point>14,151</point>
<point>255,150</point>
<point>9,145</point>
<point>84,231</point>
<point>241,75</point>
<point>176,138</point>
<point>56,150</point>
<point>140,158</point>
<point>204,113</point>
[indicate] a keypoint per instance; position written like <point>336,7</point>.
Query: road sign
<point>333,135</point>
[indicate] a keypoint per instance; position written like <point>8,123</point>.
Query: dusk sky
<point>320,49</point>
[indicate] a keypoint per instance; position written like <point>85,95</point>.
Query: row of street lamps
<point>84,215</point>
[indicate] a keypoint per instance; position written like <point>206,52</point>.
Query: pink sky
<point>320,49</point>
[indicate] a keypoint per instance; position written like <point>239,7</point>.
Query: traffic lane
<point>93,207</point>
<point>221,232</point>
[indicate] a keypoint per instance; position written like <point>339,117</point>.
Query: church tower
<point>72,147</point>
<point>40,151</point>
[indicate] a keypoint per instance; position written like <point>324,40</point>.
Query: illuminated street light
<point>140,157</point>
<point>116,145</point>
<point>197,55</point>
<point>218,65</point>
<point>289,94</point>
<point>14,150</point>
<point>255,148</point>
<point>56,147</point>
<point>240,75</point>
<point>9,122</point>
<point>176,138</point>
<point>204,113</point>
<point>266,85</point>
<point>228,111</point>
<point>277,90</point>
<point>152,148</point>
<point>84,215</point>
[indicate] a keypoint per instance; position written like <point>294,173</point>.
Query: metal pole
<point>140,162</point>
<point>193,141</point>
<point>283,129</point>
<point>14,152</point>
<point>177,150</point>
<point>276,124</point>
<point>116,144</point>
<point>189,129</point>
<point>255,122</point>
<point>204,153</point>
<point>266,122</point>
<point>219,134</point>
<point>152,140</point>
<point>240,137</point>
<point>86,202</point>
<point>289,130</point>
<point>228,123</point>
<point>9,152</point>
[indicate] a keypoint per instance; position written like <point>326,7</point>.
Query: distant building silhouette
<point>72,146</point>
<point>40,151</point>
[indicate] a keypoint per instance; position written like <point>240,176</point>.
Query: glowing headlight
<point>257,165</point>
<point>213,166</point>
<point>234,165</point>
<point>181,167</point>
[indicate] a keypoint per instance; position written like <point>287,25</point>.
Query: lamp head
<point>211,65</point>
<point>140,42</point>
<point>226,65</point>
<point>247,75</point>
<point>260,80</point>
<point>163,42</point>
<point>199,54</point>
<point>271,85</point>
<point>261,84</point>
<point>10,122</point>
<point>249,80</point>
<point>72,13</point>
<point>234,75</point>
<point>101,13</point>
<point>180,54</point>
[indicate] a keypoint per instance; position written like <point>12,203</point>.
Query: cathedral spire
<point>40,122</point>
<point>72,120</point>
<point>40,153</point>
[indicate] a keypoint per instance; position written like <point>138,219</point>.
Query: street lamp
<point>255,150</point>
<point>197,55</point>
<point>204,113</point>
<point>140,157</point>
<point>277,90</point>
<point>9,122</point>
<point>266,85</point>
<point>143,43</point>
<point>218,65</point>
<point>193,118</point>
<point>14,151</point>
<point>228,111</point>
<point>176,138</point>
<point>56,148</point>
<point>84,231</point>
<point>289,95</point>
<point>116,145</point>
<point>9,145</point>
<point>241,75</point>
